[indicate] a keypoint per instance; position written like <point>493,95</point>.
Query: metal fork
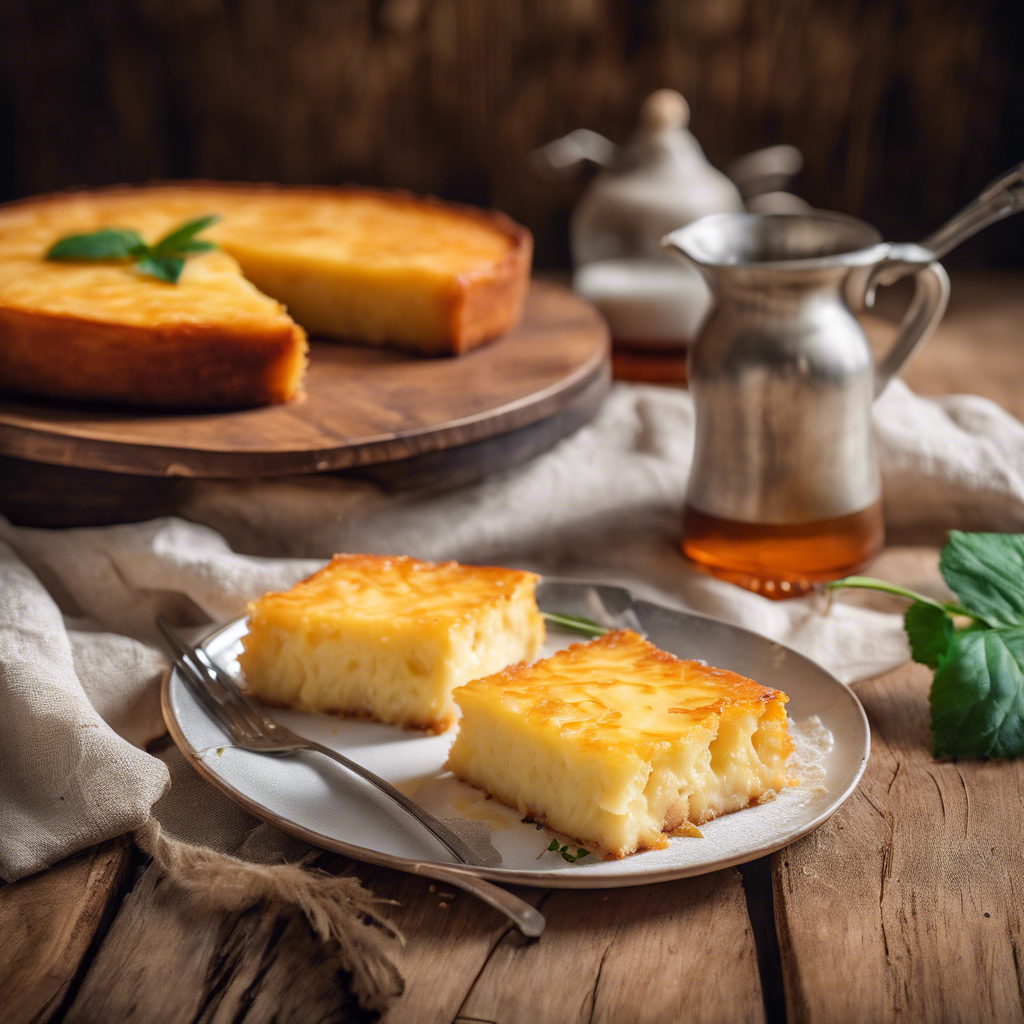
<point>249,725</point>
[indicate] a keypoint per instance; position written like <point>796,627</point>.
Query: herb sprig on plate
<point>563,852</point>
<point>164,260</point>
<point>574,624</point>
<point>975,644</point>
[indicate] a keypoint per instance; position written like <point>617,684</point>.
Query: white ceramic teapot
<point>658,182</point>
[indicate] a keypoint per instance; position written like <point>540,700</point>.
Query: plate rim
<point>507,876</point>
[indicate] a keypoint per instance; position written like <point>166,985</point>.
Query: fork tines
<point>219,693</point>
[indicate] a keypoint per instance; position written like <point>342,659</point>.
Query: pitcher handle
<point>931,293</point>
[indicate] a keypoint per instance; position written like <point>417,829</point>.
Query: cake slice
<point>377,268</point>
<point>389,638</point>
<point>102,331</point>
<point>615,743</point>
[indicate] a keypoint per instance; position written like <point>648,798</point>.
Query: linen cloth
<point>80,661</point>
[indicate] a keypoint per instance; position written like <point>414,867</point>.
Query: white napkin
<point>79,665</point>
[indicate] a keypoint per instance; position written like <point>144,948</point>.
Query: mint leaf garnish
<point>986,571</point>
<point>563,852</point>
<point>108,244</point>
<point>166,268</point>
<point>977,696</point>
<point>929,630</point>
<point>164,260</point>
<point>182,239</point>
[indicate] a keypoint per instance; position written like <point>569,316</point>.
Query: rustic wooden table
<point>907,905</point>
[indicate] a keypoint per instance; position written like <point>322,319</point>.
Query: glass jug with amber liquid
<point>784,488</point>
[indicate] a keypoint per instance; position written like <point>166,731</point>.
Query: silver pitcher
<point>781,372</point>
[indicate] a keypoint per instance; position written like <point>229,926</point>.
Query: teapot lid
<point>665,108</point>
<point>665,156</point>
<point>659,181</point>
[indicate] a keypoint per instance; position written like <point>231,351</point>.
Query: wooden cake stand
<point>398,419</point>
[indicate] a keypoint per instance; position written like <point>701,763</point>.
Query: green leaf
<point>200,245</point>
<point>181,239</point>
<point>563,852</point>
<point>166,268</point>
<point>574,624</point>
<point>986,572</point>
<point>108,244</point>
<point>929,630</point>
<point>164,261</point>
<point>977,696</point>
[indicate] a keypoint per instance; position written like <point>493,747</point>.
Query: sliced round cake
<point>355,264</point>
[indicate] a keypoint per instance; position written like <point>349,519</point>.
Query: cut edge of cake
<point>208,367</point>
<point>610,800</point>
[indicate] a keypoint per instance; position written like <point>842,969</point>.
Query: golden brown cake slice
<point>389,638</point>
<point>615,743</point>
<point>103,331</point>
<point>364,266</point>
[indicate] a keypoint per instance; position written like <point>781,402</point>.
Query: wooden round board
<point>363,406</point>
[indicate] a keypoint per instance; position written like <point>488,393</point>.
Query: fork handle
<point>527,919</point>
<point>441,832</point>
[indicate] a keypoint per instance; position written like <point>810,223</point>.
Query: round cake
<point>359,265</point>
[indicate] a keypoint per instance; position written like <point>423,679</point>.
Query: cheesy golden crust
<point>365,266</point>
<point>615,742</point>
<point>389,638</point>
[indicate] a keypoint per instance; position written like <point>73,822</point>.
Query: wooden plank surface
<point>163,962</point>
<point>47,922</point>
<point>363,405</point>
<point>653,953</point>
<point>978,347</point>
<point>677,951</point>
<point>909,903</point>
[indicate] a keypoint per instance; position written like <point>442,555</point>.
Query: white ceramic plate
<point>314,798</point>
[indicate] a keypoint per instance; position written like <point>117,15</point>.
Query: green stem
<point>867,583</point>
<point>575,624</point>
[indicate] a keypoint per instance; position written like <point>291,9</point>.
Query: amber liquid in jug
<point>783,560</point>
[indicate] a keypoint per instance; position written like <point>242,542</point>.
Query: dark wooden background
<point>904,108</point>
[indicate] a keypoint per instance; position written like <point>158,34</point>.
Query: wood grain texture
<point>681,950</point>
<point>450,96</point>
<point>909,903</point>
<point>450,938</point>
<point>363,406</point>
<point>979,346</point>
<point>161,962</point>
<point>42,495</point>
<point>165,962</point>
<point>47,922</point>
